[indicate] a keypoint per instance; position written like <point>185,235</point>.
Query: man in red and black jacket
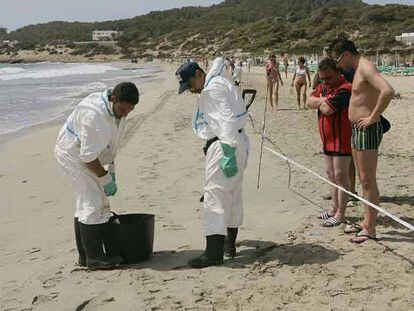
<point>331,98</point>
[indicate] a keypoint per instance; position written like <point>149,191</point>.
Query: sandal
<point>325,215</point>
<point>352,228</point>
<point>365,237</point>
<point>331,222</point>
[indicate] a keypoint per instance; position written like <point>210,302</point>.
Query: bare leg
<point>352,176</point>
<point>329,167</point>
<point>341,171</point>
<point>304,95</point>
<point>356,162</point>
<point>277,93</point>
<point>298,86</point>
<point>366,162</point>
<point>270,86</point>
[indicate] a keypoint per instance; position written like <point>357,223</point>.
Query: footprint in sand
<point>173,227</point>
<point>40,299</point>
<point>53,281</point>
<point>32,250</point>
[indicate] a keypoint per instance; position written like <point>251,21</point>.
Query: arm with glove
<point>218,107</point>
<point>94,138</point>
<point>229,161</point>
<point>106,178</point>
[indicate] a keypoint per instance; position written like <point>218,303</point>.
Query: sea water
<point>38,93</point>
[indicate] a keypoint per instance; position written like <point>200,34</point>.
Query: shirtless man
<point>371,95</point>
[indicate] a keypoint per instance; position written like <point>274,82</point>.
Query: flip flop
<point>331,222</point>
<point>352,228</point>
<point>325,215</point>
<point>362,235</point>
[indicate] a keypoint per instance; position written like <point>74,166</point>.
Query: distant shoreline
<point>33,56</point>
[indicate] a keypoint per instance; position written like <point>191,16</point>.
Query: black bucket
<point>133,238</point>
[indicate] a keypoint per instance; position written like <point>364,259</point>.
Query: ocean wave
<point>78,88</point>
<point>53,70</point>
<point>10,70</point>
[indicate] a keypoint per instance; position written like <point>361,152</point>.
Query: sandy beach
<point>286,261</point>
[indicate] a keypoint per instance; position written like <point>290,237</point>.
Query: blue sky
<point>18,13</point>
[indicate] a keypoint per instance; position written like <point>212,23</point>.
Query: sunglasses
<point>339,58</point>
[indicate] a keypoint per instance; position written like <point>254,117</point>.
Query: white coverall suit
<point>222,113</point>
<point>91,132</point>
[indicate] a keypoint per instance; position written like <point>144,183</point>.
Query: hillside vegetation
<point>239,25</point>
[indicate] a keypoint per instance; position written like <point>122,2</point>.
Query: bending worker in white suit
<point>220,119</point>
<point>85,149</point>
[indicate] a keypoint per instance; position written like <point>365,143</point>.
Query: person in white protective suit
<point>237,73</point>
<point>85,150</point>
<point>220,119</point>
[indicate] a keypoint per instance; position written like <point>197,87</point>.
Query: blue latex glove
<point>228,161</point>
<point>109,185</point>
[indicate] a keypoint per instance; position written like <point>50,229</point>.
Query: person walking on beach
<point>220,119</point>
<point>299,81</point>
<point>85,150</point>
<point>273,77</point>
<point>237,73</point>
<point>331,98</point>
<point>232,64</point>
<point>371,95</point>
<point>285,63</point>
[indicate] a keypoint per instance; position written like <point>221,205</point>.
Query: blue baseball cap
<point>184,73</point>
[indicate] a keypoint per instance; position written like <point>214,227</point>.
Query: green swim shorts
<point>370,139</point>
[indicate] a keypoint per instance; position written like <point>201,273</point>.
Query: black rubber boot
<point>92,239</point>
<point>79,244</point>
<point>213,255</point>
<point>230,245</point>
<point>111,240</point>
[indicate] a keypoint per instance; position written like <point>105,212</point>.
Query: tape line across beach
<point>287,159</point>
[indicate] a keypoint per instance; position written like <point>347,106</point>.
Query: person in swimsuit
<point>285,63</point>
<point>299,80</point>
<point>371,95</point>
<point>273,77</point>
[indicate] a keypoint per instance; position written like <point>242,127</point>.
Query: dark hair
<point>126,92</point>
<point>327,63</point>
<point>341,45</point>
<point>302,60</point>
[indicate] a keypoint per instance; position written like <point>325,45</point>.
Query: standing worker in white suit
<point>86,149</point>
<point>220,120</point>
